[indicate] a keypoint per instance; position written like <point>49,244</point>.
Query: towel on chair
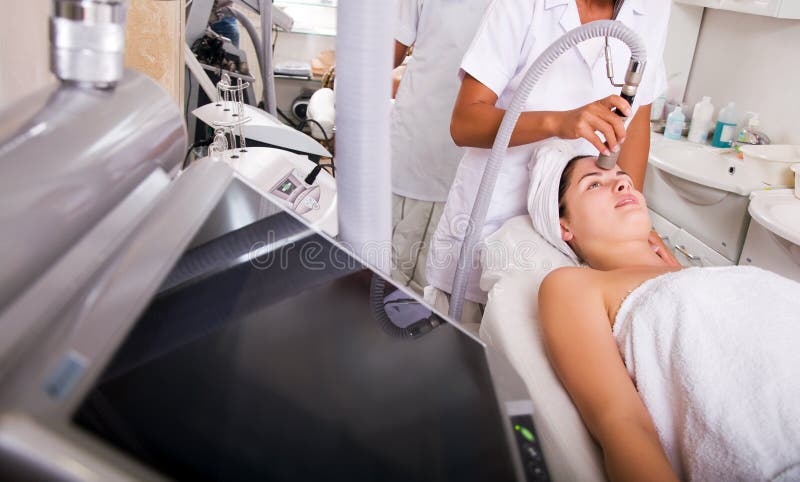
<point>714,355</point>
<point>548,160</point>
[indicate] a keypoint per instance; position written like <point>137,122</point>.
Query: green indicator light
<point>527,434</point>
<point>516,427</point>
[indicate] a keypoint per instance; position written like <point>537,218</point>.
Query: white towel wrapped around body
<point>715,356</point>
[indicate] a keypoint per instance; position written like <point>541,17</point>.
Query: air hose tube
<point>468,254</point>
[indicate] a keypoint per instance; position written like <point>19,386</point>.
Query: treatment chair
<point>514,264</point>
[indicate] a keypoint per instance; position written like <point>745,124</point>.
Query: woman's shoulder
<point>566,282</point>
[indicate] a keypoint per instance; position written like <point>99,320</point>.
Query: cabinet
<point>687,249</point>
<point>712,217</point>
<point>769,8</point>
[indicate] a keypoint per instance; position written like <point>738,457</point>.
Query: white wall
<point>755,62</point>
<point>24,51</point>
<point>684,27</point>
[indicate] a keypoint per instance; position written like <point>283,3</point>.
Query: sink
<point>704,165</point>
<point>778,211</point>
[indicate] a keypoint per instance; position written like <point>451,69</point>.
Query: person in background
<point>424,156</point>
<point>223,24</point>
<point>573,100</point>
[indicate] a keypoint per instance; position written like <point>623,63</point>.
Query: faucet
<point>750,135</point>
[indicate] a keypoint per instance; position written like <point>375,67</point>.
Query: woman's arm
<point>584,354</point>
<point>400,51</point>
<point>476,120</point>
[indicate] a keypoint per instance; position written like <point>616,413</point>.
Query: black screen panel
<point>278,370</point>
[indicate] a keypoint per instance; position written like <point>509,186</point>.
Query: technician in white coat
<point>563,104</point>
<point>424,156</point>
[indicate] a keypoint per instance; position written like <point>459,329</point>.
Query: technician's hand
<point>596,117</point>
<point>662,250</point>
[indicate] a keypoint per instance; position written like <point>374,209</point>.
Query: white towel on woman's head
<point>548,160</point>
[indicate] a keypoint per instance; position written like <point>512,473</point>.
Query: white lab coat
<point>512,35</point>
<point>424,156</point>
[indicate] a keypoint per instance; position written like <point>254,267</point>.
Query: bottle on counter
<point>675,123</point>
<point>701,120</point>
<point>657,108</point>
<point>726,126</point>
<point>751,133</point>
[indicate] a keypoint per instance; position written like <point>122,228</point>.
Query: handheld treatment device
<point>633,78</point>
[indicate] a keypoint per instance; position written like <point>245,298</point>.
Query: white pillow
<point>515,262</point>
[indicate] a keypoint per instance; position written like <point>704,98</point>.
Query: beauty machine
<point>159,323</point>
<point>199,352</point>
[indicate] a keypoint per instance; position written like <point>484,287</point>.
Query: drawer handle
<point>683,251</point>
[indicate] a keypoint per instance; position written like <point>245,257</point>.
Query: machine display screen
<point>287,187</point>
<point>278,368</point>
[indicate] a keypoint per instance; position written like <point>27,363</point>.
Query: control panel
<point>301,197</point>
<point>530,452</point>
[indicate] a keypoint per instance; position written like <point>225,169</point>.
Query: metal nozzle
<point>633,77</point>
<point>607,162</point>
<point>87,41</point>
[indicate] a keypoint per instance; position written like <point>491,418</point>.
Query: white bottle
<point>657,108</point>
<point>675,122</point>
<point>701,120</point>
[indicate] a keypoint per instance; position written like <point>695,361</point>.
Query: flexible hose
<point>477,218</point>
<point>265,59</point>
<point>254,37</point>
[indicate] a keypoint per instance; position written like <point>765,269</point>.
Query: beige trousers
<point>413,224</point>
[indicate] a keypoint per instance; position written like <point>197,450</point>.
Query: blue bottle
<point>726,127</point>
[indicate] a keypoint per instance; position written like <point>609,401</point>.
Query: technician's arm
<point>636,149</point>
<point>476,120</point>
<point>400,51</point>
<point>584,354</point>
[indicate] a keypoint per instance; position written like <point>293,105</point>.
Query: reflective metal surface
<point>65,166</point>
<point>239,206</point>
<point>87,40</point>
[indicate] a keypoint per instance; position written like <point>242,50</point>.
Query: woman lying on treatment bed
<point>690,372</point>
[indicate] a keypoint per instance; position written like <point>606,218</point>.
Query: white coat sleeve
<point>655,80</point>
<point>496,52</point>
<point>407,21</point>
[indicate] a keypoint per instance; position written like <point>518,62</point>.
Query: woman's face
<point>602,206</point>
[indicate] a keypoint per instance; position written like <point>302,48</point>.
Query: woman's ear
<point>566,234</point>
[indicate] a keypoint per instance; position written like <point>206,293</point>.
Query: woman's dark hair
<point>563,184</point>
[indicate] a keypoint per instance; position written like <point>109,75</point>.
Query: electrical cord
<point>282,114</point>
<point>188,98</point>
<point>305,122</point>
<point>312,176</point>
